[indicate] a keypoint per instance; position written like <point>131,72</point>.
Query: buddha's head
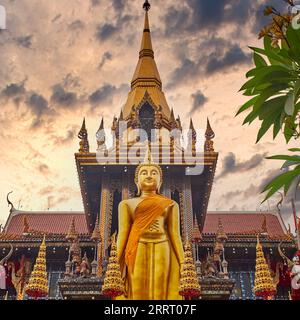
<point>148,177</point>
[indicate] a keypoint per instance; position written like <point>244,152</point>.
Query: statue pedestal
<point>216,288</point>
<point>79,288</point>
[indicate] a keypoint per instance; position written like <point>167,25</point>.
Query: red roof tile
<point>244,222</point>
<point>49,222</point>
<point>59,222</point>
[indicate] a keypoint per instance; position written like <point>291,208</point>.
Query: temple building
<point>78,243</point>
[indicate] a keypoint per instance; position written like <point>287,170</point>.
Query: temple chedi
<point>146,170</point>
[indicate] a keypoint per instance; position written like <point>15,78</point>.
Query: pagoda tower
<point>107,175</point>
<point>38,282</point>
<point>189,282</point>
<point>264,286</point>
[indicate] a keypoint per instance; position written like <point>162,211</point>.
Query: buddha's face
<point>149,178</point>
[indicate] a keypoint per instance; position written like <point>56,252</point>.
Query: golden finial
<point>38,283</point>
<point>209,135</point>
<point>197,237</point>
<point>72,233</point>
<point>96,236</point>
<point>113,283</point>
<point>221,235</point>
<point>189,284</point>
<point>263,285</point>
<point>146,6</point>
<point>6,296</point>
<point>83,136</point>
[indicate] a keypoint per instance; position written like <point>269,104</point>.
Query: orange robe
<point>145,214</point>
<point>164,263</point>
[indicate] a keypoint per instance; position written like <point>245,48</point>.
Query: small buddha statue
<point>149,246</point>
<point>84,267</point>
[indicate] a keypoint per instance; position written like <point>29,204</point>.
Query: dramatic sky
<point>61,60</point>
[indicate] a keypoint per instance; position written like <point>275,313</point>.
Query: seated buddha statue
<point>149,245</point>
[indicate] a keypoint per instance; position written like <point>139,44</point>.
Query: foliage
<point>274,88</point>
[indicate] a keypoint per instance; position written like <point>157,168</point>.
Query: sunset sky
<point>61,60</point>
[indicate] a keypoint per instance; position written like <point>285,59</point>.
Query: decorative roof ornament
<point>147,6</point>
<point>100,136</point>
<point>193,131</point>
<point>221,235</point>
<point>38,283</point>
<point>209,136</point>
<point>9,202</point>
<point>189,283</point>
<point>72,233</point>
<point>96,236</point>
<point>263,285</point>
<point>196,235</point>
<point>264,226</point>
<point>7,256</point>
<point>25,226</point>
<point>83,136</point>
<point>148,160</point>
<point>113,283</point>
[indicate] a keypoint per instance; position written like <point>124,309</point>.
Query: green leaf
<point>283,180</point>
<point>289,106</point>
<point>295,150</point>
<point>288,164</point>
<point>265,126</point>
<point>276,127</point>
<point>293,39</point>
<point>285,157</point>
<point>259,60</point>
<point>247,105</point>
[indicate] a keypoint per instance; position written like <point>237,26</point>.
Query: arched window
<point>146,116</point>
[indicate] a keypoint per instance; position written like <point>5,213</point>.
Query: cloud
<point>199,100</point>
<point>230,164</point>
<point>217,55</point>
<point>44,169</point>
<point>65,140</point>
<point>233,56</point>
<point>63,98</point>
<point>14,91</point>
<point>77,25</point>
<point>107,30</point>
<point>25,41</point>
<point>107,56</point>
<point>105,94</point>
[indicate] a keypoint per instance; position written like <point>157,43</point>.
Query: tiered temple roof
<point>234,223</point>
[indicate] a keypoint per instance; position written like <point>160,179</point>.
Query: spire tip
<point>146,6</point>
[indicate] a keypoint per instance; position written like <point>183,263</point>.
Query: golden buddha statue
<point>149,245</point>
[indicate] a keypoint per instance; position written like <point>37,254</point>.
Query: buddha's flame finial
<point>146,5</point>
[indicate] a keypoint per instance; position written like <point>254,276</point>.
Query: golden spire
<point>264,285</point>
<point>146,84</point>
<point>72,233</point>
<point>38,283</point>
<point>83,136</point>
<point>221,235</point>
<point>113,284</point>
<point>189,284</point>
<point>96,236</point>
<point>146,71</point>
<point>25,225</point>
<point>197,237</point>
